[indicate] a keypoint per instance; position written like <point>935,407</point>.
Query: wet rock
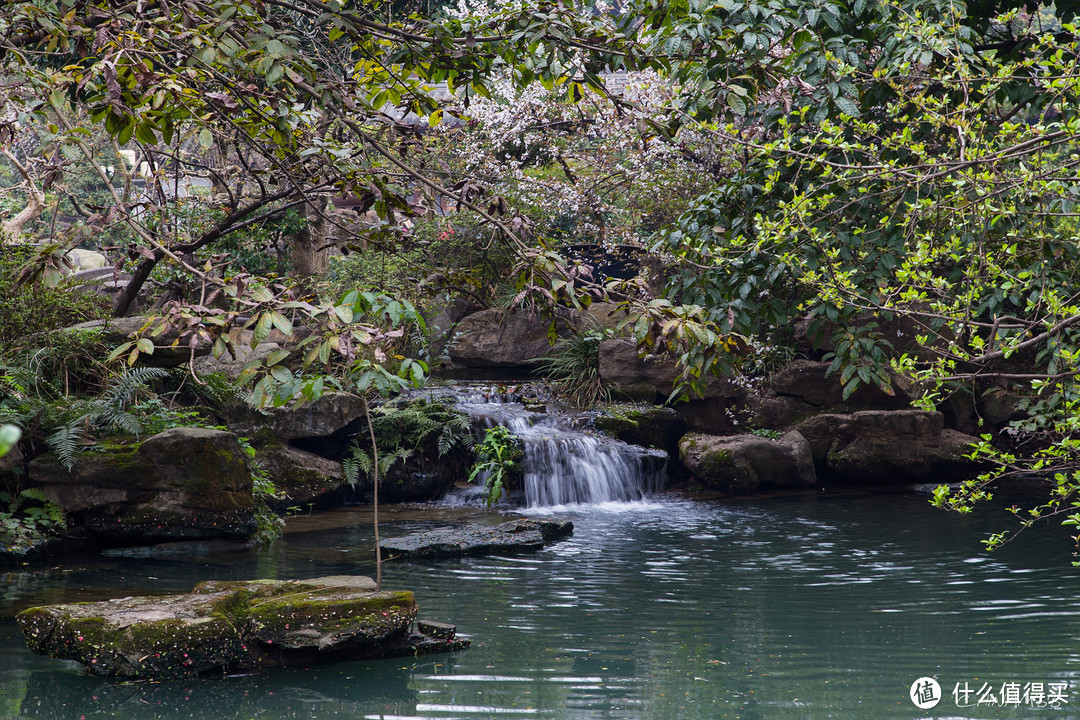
<point>180,483</point>
<point>494,338</point>
<point>508,538</point>
<point>881,446</point>
<point>233,626</point>
<point>644,425</point>
<point>744,463</point>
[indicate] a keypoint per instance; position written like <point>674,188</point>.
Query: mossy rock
<point>745,463</point>
<point>182,483</point>
<point>645,425</point>
<point>232,625</point>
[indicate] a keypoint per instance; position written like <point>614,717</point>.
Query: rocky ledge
<point>235,626</point>
<point>508,538</point>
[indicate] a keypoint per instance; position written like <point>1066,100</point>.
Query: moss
<point>644,425</point>
<point>277,621</point>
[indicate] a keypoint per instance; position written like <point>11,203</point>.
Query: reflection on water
<point>794,607</point>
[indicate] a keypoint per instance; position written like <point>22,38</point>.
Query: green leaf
<point>145,345</point>
<point>262,328</point>
<point>120,350</point>
<point>846,106</point>
<point>282,323</point>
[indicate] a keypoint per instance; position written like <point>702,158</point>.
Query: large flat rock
<point>234,625</point>
<point>508,538</point>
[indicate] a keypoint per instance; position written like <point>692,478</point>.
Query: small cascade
<point>564,466</point>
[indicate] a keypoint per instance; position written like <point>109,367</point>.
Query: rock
<point>420,478</point>
<point>625,371</point>
<point>440,325</point>
<point>494,338</point>
<point>181,483</point>
<point>807,380</point>
<point>508,538</point>
<point>232,367</point>
<point>882,446</point>
<point>599,316</point>
<point>86,259</point>
<point>645,425</point>
<point>621,366</point>
<point>744,463</point>
<point>319,418</point>
<point>117,331</point>
<point>998,406</point>
<point>10,461</point>
<point>302,478</point>
<point>225,626</point>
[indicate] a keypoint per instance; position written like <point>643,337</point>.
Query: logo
<point>925,693</point>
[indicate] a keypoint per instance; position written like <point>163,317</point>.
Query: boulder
<point>331,412</point>
<point>494,338</point>
<point>80,259</point>
<point>180,483</point>
<point>887,446</point>
<point>622,367</point>
<point>644,425</point>
<point>808,381</point>
<point>599,316</point>
<point>12,460</point>
<point>745,463</point>
<point>654,377</point>
<point>225,626</point>
<point>508,538</point>
<point>302,478</point>
<point>117,331</point>
<point>231,366</point>
<point>419,478</point>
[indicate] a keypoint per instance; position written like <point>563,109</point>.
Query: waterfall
<point>562,465</point>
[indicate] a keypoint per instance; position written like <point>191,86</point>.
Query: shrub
<point>37,307</point>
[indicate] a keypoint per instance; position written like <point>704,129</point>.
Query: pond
<point>803,606</point>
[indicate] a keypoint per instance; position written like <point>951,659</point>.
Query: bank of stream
<point>801,606</point>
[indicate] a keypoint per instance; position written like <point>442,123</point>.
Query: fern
<point>359,461</point>
<point>65,441</point>
<point>125,389</point>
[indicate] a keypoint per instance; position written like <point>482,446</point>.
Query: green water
<point>804,607</point>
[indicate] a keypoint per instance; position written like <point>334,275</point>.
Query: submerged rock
<point>235,626</point>
<point>508,538</point>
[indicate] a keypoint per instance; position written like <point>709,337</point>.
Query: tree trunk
<point>138,278</point>
<point>309,254</point>
<point>35,203</point>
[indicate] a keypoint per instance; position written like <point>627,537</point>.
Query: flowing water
<point>563,466</point>
<point>807,606</point>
